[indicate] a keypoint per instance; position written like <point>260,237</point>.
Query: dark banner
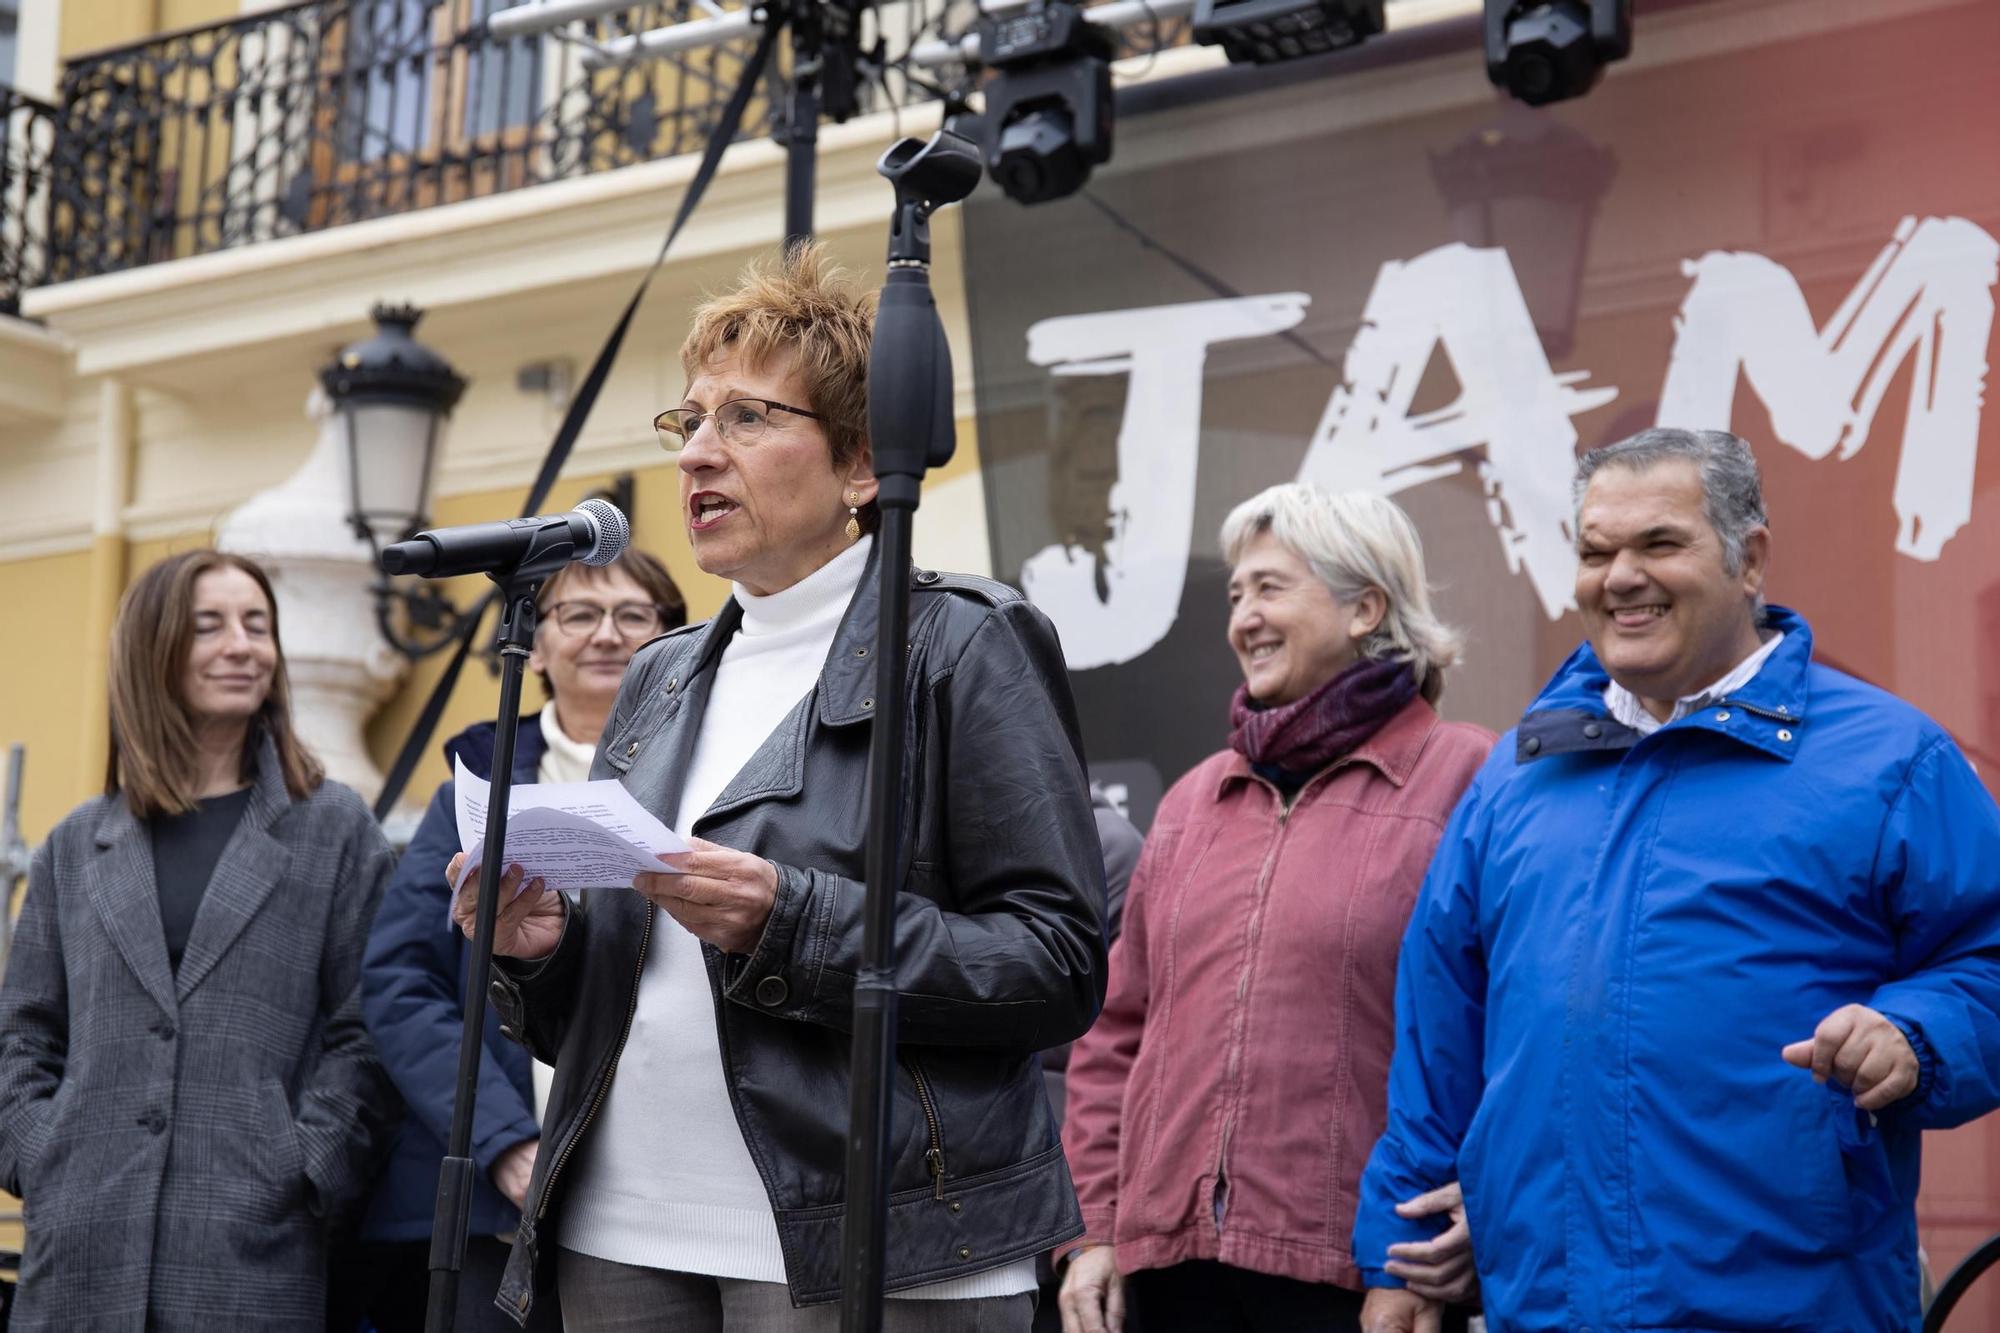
<point>1777,217</point>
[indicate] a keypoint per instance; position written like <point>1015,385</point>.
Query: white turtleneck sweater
<point>563,760</point>
<point>664,1179</point>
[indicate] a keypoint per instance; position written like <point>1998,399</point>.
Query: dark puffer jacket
<point>999,935</point>
<point>413,996</point>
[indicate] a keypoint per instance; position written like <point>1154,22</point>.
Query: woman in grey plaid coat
<point>188,1096</point>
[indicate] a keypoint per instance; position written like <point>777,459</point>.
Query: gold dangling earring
<point>854,516</point>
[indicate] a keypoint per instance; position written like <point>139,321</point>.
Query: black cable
<point>933,26</point>
<point>1192,269</point>
<point>1959,1282</point>
<point>1153,52</point>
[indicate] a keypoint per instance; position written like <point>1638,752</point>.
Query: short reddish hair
<point>805,307</point>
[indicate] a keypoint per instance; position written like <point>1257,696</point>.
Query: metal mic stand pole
<point>910,428</point>
<point>802,120</point>
<point>453,1214</point>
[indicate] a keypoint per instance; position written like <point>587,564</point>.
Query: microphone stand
<point>519,587</point>
<point>453,1215</point>
<point>802,119</point>
<point>910,428</point>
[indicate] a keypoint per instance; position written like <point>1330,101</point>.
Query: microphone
<point>593,532</point>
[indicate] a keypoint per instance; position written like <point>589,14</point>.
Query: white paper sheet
<point>571,835</point>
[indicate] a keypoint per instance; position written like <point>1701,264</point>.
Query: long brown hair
<point>154,761</point>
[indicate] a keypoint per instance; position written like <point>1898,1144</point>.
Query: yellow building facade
<point>139,407</point>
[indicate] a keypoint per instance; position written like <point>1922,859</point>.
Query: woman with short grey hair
<point>1354,541</point>
<point>1223,1106</point>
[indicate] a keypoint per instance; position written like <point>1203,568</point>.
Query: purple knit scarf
<point>1307,734</point>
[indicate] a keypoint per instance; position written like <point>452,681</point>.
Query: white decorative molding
<point>69,541</point>
<point>34,373</point>
<point>37,42</point>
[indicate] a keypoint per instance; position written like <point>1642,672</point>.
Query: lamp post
<point>391,395</point>
<point>1530,185</point>
<point>381,406</point>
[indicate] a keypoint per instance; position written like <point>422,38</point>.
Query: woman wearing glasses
<point>590,622</point>
<point>692,1177</point>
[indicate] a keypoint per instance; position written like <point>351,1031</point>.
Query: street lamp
<point>390,397</point>
<point>1530,185</point>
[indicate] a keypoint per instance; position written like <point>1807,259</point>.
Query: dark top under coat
<point>185,851</point>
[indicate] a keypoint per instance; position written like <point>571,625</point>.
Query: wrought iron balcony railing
<point>326,112</point>
<point>27,137</point>
<point>333,111</point>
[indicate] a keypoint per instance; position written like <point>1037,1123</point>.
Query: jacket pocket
<point>1853,1189</point>
<point>282,1157</point>
<point>34,1169</point>
<point>623,749</point>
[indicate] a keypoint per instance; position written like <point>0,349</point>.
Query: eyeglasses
<point>632,620</point>
<point>738,421</point>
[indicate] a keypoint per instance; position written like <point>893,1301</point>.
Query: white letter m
<point>1929,293</point>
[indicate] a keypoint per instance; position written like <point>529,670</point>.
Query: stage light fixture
<point>1544,51</point>
<point>1048,105</point>
<point>1262,31</point>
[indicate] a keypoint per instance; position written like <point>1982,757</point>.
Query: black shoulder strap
<point>572,423</point>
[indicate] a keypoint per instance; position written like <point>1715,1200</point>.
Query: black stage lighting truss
<point>1261,32</point>
<point>1048,104</point>
<point>1544,51</point>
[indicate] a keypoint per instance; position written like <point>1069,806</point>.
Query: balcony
<point>323,113</point>
<point>27,138</point>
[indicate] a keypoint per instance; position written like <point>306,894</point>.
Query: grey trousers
<point>600,1296</point>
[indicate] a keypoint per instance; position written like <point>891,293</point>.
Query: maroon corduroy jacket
<point>1226,1101</point>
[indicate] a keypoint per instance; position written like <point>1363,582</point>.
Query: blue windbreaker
<point>1616,938</point>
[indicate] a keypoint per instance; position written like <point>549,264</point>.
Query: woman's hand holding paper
<point>529,923</point>
<point>719,894</point>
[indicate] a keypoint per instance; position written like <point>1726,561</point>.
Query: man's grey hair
<point>1353,541</point>
<point>1732,494</point>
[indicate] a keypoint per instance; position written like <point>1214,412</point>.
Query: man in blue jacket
<point>1713,936</point>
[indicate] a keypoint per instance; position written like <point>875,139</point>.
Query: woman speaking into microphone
<point>691,1173</point>
<point>188,1097</point>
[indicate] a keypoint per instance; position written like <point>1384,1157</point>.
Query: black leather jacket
<point>1000,940</point>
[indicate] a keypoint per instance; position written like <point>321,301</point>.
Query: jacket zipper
<point>1764,713</point>
<point>604,1084</point>
<point>1218,1202</point>
<point>1219,1199</point>
<point>934,1156</point>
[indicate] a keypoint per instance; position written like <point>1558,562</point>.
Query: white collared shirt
<point>1625,708</point>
